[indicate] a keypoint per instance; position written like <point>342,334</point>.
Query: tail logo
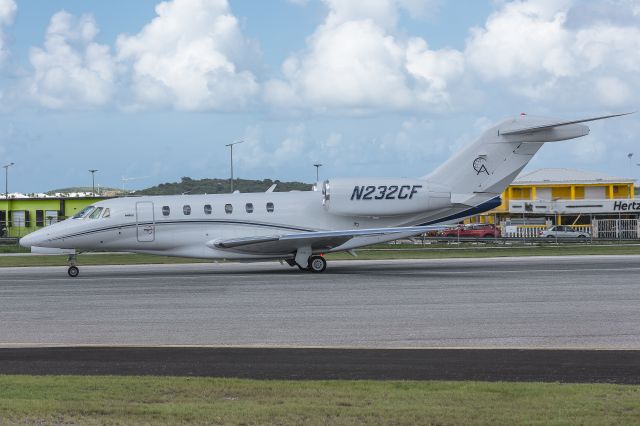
<point>479,165</point>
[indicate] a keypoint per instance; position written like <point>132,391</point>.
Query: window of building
<point>228,208</point>
<point>186,209</point>
<point>270,207</point>
<point>50,217</point>
<point>20,218</point>
<point>249,207</point>
<point>166,210</point>
<point>106,214</point>
<point>207,209</point>
<point>96,213</point>
<point>39,217</point>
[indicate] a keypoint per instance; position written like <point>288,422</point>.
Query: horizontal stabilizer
<point>519,129</point>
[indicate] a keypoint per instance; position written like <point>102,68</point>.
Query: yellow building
<point>565,196</point>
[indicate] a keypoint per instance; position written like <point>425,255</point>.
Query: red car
<point>475,230</point>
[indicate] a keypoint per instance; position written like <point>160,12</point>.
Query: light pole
<point>6,179</point>
<point>93,181</point>
<point>230,145</point>
<point>317,166</point>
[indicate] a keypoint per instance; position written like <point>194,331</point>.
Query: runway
<point>586,302</point>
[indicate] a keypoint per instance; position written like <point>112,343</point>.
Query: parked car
<point>472,230</point>
<point>562,231</point>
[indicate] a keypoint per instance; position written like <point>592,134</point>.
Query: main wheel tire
<point>73,271</point>
<point>317,264</point>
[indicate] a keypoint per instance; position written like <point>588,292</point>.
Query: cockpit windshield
<point>96,213</point>
<point>84,212</point>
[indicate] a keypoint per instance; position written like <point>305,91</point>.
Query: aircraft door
<point>145,222</point>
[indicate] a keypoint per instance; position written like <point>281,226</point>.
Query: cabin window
<point>249,207</point>
<point>166,211</point>
<point>106,214</point>
<point>270,207</point>
<point>82,213</point>
<point>207,209</point>
<point>186,209</point>
<point>228,208</point>
<point>96,213</point>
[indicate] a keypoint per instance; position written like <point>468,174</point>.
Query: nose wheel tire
<point>73,271</point>
<point>317,264</point>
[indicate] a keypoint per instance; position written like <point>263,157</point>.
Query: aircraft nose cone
<point>26,241</point>
<point>30,240</point>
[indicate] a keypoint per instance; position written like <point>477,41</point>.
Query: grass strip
<point>363,254</point>
<point>184,400</point>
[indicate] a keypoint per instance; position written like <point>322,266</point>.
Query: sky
<point>151,91</point>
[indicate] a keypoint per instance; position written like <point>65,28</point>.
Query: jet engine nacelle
<point>374,197</point>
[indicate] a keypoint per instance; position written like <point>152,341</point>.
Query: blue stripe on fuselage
<point>481,208</point>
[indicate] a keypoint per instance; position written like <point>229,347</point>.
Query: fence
<point>614,229</point>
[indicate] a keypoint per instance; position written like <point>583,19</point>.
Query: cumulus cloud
<point>8,10</point>
<point>540,48</point>
<point>71,70</point>
<point>356,60</point>
<point>191,56</point>
<point>258,152</point>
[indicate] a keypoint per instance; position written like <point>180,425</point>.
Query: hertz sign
<point>626,206</point>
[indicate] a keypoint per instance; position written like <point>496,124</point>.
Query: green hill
<point>220,186</point>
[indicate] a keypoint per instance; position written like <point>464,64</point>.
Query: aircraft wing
<point>317,240</point>
<point>519,130</point>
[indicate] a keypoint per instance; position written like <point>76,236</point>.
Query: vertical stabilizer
<point>492,162</point>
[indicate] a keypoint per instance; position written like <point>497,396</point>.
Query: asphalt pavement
<point>586,302</point>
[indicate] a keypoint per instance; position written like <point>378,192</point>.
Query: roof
<point>567,176</point>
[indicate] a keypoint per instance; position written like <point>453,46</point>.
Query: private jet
<point>298,228</point>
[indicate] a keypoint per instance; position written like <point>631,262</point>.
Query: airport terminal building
<point>571,197</point>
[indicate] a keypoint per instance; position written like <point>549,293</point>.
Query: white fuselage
<point>159,225</point>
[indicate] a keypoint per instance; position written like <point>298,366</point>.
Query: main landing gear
<point>315,264</point>
<point>73,270</point>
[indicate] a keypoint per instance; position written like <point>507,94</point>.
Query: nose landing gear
<point>73,270</point>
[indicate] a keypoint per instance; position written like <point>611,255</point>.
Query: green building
<point>19,216</point>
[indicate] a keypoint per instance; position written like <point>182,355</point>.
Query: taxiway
<point>588,302</point>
